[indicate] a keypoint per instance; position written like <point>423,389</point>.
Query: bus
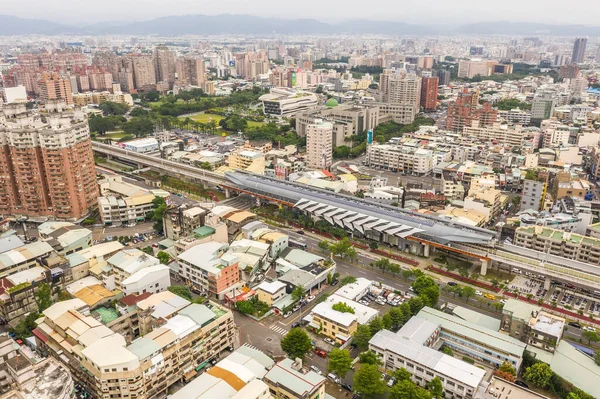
<point>297,244</point>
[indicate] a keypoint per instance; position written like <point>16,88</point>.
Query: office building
<point>53,86</point>
<point>560,243</point>
<point>287,102</point>
<point>12,94</point>
<point>46,164</point>
<point>579,50</point>
<point>471,68</point>
<point>319,144</point>
<point>103,362</point>
<point>400,89</point>
<point>429,93</point>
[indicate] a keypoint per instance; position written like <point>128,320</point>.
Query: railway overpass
<point>407,230</point>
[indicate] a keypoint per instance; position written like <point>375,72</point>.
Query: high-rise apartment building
<point>250,65</point>
<point>444,77</point>
<point>46,163</point>
<point>144,75</point>
<point>429,93</point>
<point>319,147</point>
<point>52,86</point>
<point>164,64</point>
<point>471,68</point>
<point>401,89</point>
<point>579,50</point>
<point>191,71</point>
<point>543,106</point>
<point>464,111</point>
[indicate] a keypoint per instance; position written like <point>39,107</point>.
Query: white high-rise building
<point>319,144</point>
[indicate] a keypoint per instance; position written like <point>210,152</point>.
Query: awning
<point>201,366</point>
<point>190,374</point>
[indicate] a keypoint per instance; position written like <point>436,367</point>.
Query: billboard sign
<point>370,137</point>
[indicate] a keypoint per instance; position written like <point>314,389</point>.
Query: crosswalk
<point>278,330</point>
<point>246,344</point>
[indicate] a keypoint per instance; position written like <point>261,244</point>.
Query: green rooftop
<point>203,232</point>
<point>107,315</point>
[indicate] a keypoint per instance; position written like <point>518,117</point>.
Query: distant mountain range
<point>247,24</point>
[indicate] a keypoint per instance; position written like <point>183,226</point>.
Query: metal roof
<point>327,203</point>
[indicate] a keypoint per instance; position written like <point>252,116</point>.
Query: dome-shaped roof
<point>332,102</point>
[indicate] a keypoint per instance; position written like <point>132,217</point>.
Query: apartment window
<point>419,369</point>
<point>429,373</point>
<point>114,370</point>
<point>125,369</point>
<point>450,383</point>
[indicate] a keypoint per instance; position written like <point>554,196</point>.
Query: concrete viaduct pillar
<point>227,193</point>
<point>547,282</point>
<point>426,249</point>
<point>484,266</point>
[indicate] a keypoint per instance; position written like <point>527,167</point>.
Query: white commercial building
<point>411,349</point>
<point>396,158</point>
<point>12,94</point>
<point>355,290</point>
<point>287,102</point>
<point>147,144</point>
<point>152,279</point>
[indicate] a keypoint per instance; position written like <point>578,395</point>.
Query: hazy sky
<point>78,12</point>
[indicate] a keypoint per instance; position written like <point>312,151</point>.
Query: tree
<point>539,374</point>
<point>163,257</point>
<point>430,295</point>
<point>362,336</point>
<point>63,295</point>
<point>467,292</point>
<point>508,368</point>
<point>110,108</point>
<point>406,274</point>
<point>347,280</point>
<point>386,320</point>
<point>401,374</point>
<point>296,343</point>
<point>43,296</point>
<point>591,336</point>
<point>416,304</point>
<point>404,389</point>
<point>435,387</point>
<point>323,245</point>
<point>25,326</point>
<point>447,350</point>
<point>246,307</point>
<point>160,206</point>
<point>369,357</point>
<point>396,317</point>
<point>148,250</point>
<point>182,291</point>
<point>340,362</point>
<point>139,127</point>
<point>342,307</point>
<point>298,293</point>
<point>376,325</point>
<point>368,382</point>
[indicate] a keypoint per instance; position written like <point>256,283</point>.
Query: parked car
<point>588,328</point>
<point>310,298</point>
<point>391,382</point>
<point>316,370</point>
<point>301,232</point>
<point>288,314</point>
<point>321,352</point>
<point>347,387</point>
<point>574,324</point>
<point>329,341</point>
<point>296,324</point>
<point>335,282</point>
<point>478,293</point>
<point>490,296</point>
<point>334,378</point>
<point>452,284</point>
<point>363,302</point>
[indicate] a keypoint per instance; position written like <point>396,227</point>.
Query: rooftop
<point>298,382</point>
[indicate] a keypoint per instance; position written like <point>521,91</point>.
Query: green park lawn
<point>205,118</point>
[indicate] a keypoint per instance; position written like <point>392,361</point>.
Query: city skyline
<point>435,12</point>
